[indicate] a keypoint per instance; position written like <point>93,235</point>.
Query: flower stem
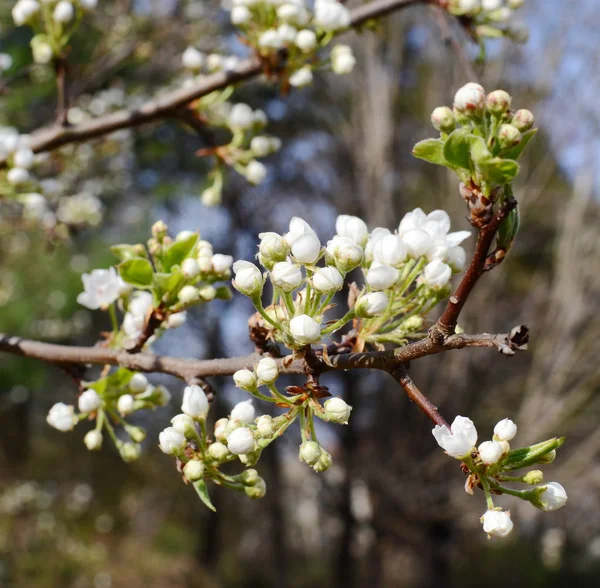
<point>339,324</point>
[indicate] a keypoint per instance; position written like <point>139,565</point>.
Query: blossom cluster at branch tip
<point>404,273</point>
<point>492,463</point>
<point>492,18</point>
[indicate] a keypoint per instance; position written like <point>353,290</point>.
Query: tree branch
<point>187,368</point>
<point>52,137</point>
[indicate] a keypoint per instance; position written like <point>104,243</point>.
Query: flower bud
<point>221,263</point>
<point>130,451</point>
<point>93,440</point>
<point>301,77</point>
<point>306,248</point>
<point>548,457</point>
<point>63,12</point>
<point>265,426</point>
<point>442,118</point>
<point>550,497</point>
<point>248,278</point>
<point>508,136</point>
<point>337,410</point>
<point>184,424</point>
<point>241,441</point>
<point>159,230</point>
<point>324,462</point>
<point>534,477</point>
<point>138,383</point>
<point>286,33</point>
<point>218,451</point>
<point>437,274</point>
<point>190,268</point>
<point>17,176</point>
<point>267,370</point>
<point>345,253</point>
<point>370,305</point>
<point>522,120</point>
<point>125,404</point>
<point>24,10</point>
<point>306,40</point>
<point>260,146</point>
<point>240,15</point>
<point>195,402</point>
<point>137,434</point>
<point>381,277</point>
<point>353,228</point>
<point>257,491</point>
<point>418,242</point>
<point>211,196</point>
<point>496,522</point>
<point>305,330</point>
<point>192,59</point>
<point>390,250</point>
<point>241,117</point>
<point>207,293</point>
<point>490,452</point>
<point>243,412</point>
<point>188,294</point>
<point>24,158</point>
<point>342,60</point>
<point>171,441</point>
<point>310,452</point>
<point>456,258</point>
<point>470,100</point>
<point>89,401</point>
<point>491,4</point>
<point>273,247</point>
<point>256,172</point>
<point>246,380</point>
<point>193,470</point>
<point>42,50</point>
<point>505,430</point>
<point>498,102</point>
<point>286,276</point>
<point>269,39</point>
<point>327,280</point>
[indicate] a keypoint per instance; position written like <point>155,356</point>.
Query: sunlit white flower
<point>437,274</point>
<point>342,59</point>
<point>470,100</point>
<point>176,320</point>
<point>390,250</point>
<point>418,242</point>
<point>304,243</point>
<point>260,146</point>
<point>195,402</point>
<point>100,288</point>
<point>310,452</point>
<point>243,411</point>
<point>337,410</point>
<point>269,39</point>
<point>17,176</point>
<point>306,40</point>
<point>24,157</point>
<point>370,305</point>
<point>241,441</point>
<point>62,417</point>
<point>490,452</point>
<point>330,15</point>
<point>553,497</point>
<point>240,15</point>
<point>190,268</point>
<point>221,263</point>
<point>286,275</point>
<point>89,401</point>
<point>126,404</point>
<point>305,329</point>
<point>302,77</point>
<point>459,440</point>
<point>192,59</point>
<point>256,172</point>
<point>505,430</point>
<point>138,383</point>
<point>24,10</point>
<point>63,12</point>
<point>345,253</point>
<point>248,278</point>
<point>286,33</point>
<point>171,441</point>
<point>265,426</point>
<point>245,379</point>
<point>241,117</point>
<point>353,228</point>
<point>327,279</point>
<point>273,247</point>
<point>134,320</point>
<point>93,440</point>
<point>183,424</point>
<point>457,258</point>
<point>497,522</point>
<point>381,276</point>
<point>267,370</point>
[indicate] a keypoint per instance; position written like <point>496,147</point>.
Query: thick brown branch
<point>446,324</point>
<point>187,369</point>
<point>400,374</point>
<point>49,138</point>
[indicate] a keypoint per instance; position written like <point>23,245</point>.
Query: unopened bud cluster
<point>492,18</point>
<point>492,463</point>
<point>405,274</point>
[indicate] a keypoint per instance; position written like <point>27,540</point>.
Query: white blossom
<point>17,176</point>
<point>256,172</point>
<point>267,370</point>
<point>24,157</point>
<point>470,100</point>
<point>241,117</point>
<point>241,441</point>
<point>418,242</point>
<point>457,258</point>
<point>459,440</point>
<point>62,417</point>
<point>497,522</point>
<point>437,274</point>
<point>553,497</point>
<point>125,404</point>
<point>89,401</point>
<point>260,146</point>
<point>221,263</point>
<point>190,268</point>
<point>192,59</point>
<point>134,320</point>
<point>269,39</point>
<point>330,15</point>
<point>171,441</point>
<point>100,288</point>
<point>240,15</point>
<point>310,452</point>
<point>305,329</point>
<point>245,379</point>
<point>303,241</point>
<point>218,451</point>
<point>390,250</point>
<point>286,33</point>
<point>381,277</point>
<point>370,305</point>
<point>306,40</point>
<point>337,410</point>
<point>248,278</point>
<point>273,247</point>
<point>93,440</point>
<point>138,383</point>
<point>345,253</point>
<point>286,276</point>
<point>195,402</point>
<point>183,424</point>
<point>243,411</point>
<point>505,430</point>
<point>342,59</point>
<point>327,279</point>
<point>302,77</point>
<point>177,319</point>
<point>353,228</point>
<point>63,12</point>
<point>490,452</point>
<point>24,10</point>
<point>265,426</point>
<point>188,294</point>
<point>6,61</point>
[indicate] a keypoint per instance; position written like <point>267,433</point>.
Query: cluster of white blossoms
<point>270,26</point>
<point>490,465</point>
<point>405,274</point>
<point>491,17</point>
<point>20,159</point>
<point>107,402</point>
<point>159,284</point>
<point>53,22</point>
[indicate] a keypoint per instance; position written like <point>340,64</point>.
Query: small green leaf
<point>526,456</point>
<point>457,150</point>
<point>200,487</point>
<point>431,150</point>
<point>478,149</point>
<point>498,171</point>
<point>119,378</point>
<point>168,284</point>
<point>137,271</point>
<point>178,251</point>
<point>508,229</point>
<point>515,152</point>
<point>125,252</point>
<point>224,293</point>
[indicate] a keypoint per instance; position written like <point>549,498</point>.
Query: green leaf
<point>457,150</point>
<point>168,284</point>
<point>526,456</point>
<point>178,251</point>
<point>200,487</point>
<point>498,171</point>
<point>137,271</point>
<point>117,380</point>
<point>431,150</point>
<point>125,252</point>
<point>515,152</point>
<point>478,149</point>
<point>508,229</point>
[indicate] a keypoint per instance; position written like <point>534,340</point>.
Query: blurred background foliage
<point>392,510</point>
